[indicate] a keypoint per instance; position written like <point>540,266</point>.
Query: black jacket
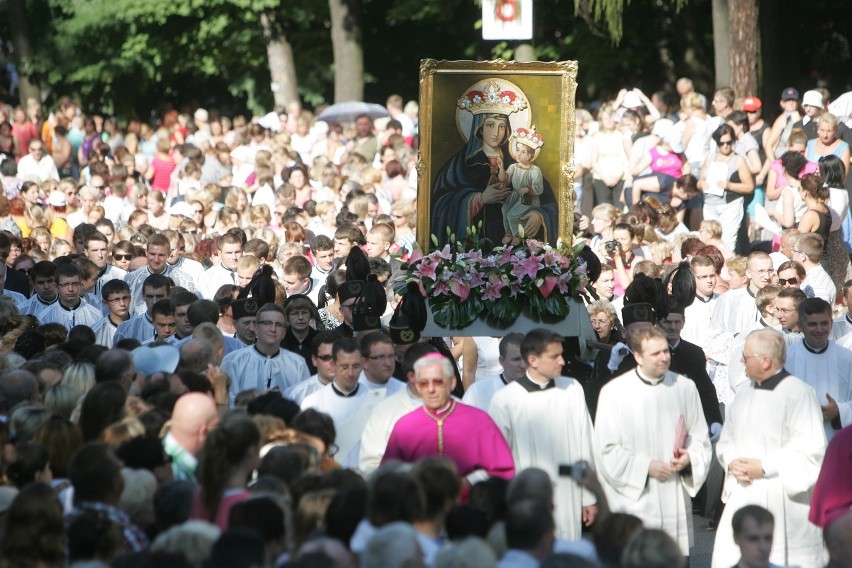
<point>689,360</point>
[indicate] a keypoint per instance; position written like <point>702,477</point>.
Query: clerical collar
<point>502,378</point>
<point>532,386</point>
<point>231,270</point>
<point>773,381</point>
<point>165,269</point>
<point>813,349</point>
<point>103,270</point>
<point>764,323</point>
<point>273,356</point>
<point>45,303</point>
<point>79,302</point>
<point>750,293</point>
<point>647,380</point>
<point>349,394</point>
<point>703,300</point>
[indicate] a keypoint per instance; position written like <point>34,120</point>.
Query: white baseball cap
<point>812,98</point>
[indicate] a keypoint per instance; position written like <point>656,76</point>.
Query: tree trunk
<point>27,88</point>
<point>348,50</point>
<point>282,68</point>
<point>722,43</point>
<point>744,38</point>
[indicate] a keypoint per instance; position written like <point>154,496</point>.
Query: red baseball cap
<point>751,104</point>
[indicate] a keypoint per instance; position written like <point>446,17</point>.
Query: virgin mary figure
<point>472,185</point>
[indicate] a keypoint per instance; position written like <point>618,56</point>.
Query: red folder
<point>681,434</point>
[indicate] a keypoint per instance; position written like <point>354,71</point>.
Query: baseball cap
<point>751,104</point>
<point>56,199</point>
<point>812,98</point>
<point>789,94</point>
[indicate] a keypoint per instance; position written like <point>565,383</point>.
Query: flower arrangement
<point>462,283</point>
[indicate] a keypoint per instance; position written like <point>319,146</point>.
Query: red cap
<point>751,104</point>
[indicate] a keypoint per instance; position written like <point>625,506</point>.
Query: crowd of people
<point>210,355</point>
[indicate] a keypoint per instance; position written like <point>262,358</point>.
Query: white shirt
<point>298,392</point>
<point>480,393</point>
<point>214,278</point>
<point>250,369</point>
<point>821,283</point>
<point>374,440</point>
<point>138,327</point>
<point>43,170</point>
<point>35,306</point>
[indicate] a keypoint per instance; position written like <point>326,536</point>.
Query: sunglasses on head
<point>123,256</point>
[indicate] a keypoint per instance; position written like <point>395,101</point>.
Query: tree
<point>744,38</point>
<point>346,38</point>
<point>28,89</point>
<point>282,67</point>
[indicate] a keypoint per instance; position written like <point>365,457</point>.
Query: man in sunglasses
<point>323,361</point>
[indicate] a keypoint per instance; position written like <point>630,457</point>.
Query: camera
<point>575,470</point>
<point>612,246</point>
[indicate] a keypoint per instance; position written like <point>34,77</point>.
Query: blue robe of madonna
<point>464,176</point>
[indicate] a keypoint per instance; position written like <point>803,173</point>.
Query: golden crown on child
<point>528,137</point>
<point>491,99</point>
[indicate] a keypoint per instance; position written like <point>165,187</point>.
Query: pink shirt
<point>669,164</point>
<point>229,499</point>
<point>162,174</point>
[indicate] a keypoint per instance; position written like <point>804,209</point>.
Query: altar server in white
<point>70,310</point>
<point>823,364</point>
<point>736,310</point>
<point>480,393</point>
<point>771,447</point>
<point>265,365</point>
<point>544,418</point>
<point>346,400</point>
<point>654,447</point>
<point>225,272</point>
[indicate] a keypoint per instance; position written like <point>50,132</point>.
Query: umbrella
<point>347,112</point>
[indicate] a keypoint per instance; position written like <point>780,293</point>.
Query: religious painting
<point>496,149</point>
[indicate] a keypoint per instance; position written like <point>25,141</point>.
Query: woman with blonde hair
<point>604,217</point>
<point>827,143</point>
<point>403,215</point>
<point>61,399</point>
<point>81,376</point>
<point>259,216</point>
<point>41,239</point>
<point>59,248</point>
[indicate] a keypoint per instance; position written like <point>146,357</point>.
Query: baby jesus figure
<point>526,180</point>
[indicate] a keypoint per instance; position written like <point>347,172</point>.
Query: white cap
<point>56,199</point>
<point>812,98</point>
<point>631,100</point>
<point>182,208</point>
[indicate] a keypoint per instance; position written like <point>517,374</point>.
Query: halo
<point>512,140</point>
<point>520,119</point>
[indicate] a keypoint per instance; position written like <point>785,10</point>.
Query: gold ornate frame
<point>550,88</point>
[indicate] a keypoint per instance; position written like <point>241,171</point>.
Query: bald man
<point>194,415</point>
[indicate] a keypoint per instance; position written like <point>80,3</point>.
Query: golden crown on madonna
<point>492,99</point>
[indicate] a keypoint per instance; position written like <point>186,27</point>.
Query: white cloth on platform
<point>829,372</point>
<point>546,428</point>
<point>636,423</point>
<point>781,427</point>
<point>251,369</point>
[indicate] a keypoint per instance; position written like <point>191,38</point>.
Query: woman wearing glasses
<point>725,179</point>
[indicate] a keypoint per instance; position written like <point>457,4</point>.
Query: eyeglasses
<point>69,284</point>
<point>784,310</point>
<point>745,356</point>
<point>600,322</point>
<point>123,256</point>
<point>381,357</point>
<point>325,358</point>
<point>791,281</point>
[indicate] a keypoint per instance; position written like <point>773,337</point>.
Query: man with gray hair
<point>17,387</point>
<point>771,447</point>
<point>393,546</point>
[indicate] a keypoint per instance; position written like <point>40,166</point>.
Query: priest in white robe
<point>823,364</point>
<point>69,310</point>
<point>347,401</point>
<point>771,447</point>
<point>736,309</point>
<point>652,437</point>
<point>544,418</point>
<point>265,366</point>
<point>696,328</point>
<point>480,393</point>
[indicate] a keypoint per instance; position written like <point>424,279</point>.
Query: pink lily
<point>547,286</point>
<point>460,289</point>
